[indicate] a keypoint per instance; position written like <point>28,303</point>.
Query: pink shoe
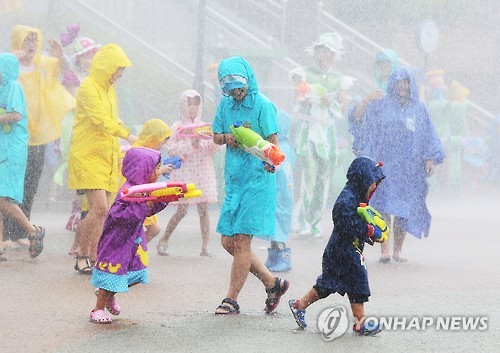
<point>99,317</point>
<point>113,307</point>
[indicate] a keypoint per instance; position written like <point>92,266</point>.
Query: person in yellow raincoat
<point>94,150</point>
<point>47,102</point>
<point>154,134</point>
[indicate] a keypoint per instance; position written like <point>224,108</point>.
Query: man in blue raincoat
<point>249,207</point>
<point>399,131</point>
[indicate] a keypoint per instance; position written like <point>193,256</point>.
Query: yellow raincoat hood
<point>154,132</point>
<point>105,63</point>
<point>46,98</point>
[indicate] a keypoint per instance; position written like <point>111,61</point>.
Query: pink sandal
<point>99,317</point>
<point>113,307</point>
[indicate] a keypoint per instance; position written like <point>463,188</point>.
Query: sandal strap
<point>276,288</point>
<point>231,302</point>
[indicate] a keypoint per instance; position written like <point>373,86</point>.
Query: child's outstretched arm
<point>156,207</point>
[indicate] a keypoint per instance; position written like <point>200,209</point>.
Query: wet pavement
<point>454,272</point>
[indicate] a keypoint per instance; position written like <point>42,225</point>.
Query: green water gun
<point>253,143</point>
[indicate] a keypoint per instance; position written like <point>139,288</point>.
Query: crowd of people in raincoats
<point>65,100</point>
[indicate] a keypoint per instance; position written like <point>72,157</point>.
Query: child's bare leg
<point>358,311</point>
<point>204,226</point>
<point>152,231</point>
<point>310,297</point>
<point>172,224</point>
<point>102,298</point>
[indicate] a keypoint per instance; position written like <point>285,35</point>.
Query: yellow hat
<point>435,78</point>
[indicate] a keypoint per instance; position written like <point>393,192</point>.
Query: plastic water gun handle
<point>175,162</point>
<point>373,217</point>
<point>253,143</point>
<point>160,192</point>
<point>203,131</point>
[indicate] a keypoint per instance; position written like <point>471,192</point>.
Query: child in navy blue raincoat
<point>343,267</point>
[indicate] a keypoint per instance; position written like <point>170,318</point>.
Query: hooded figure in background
<point>46,98</point>
<point>399,131</point>
<point>320,120</point>
<point>197,168</point>
<point>47,102</point>
<point>279,256</point>
<point>386,62</point>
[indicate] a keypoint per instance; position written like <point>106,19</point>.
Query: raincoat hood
<point>139,164</point>
<point>363,172</point>
<point>183,106</point>
<point>392,89</point>
<point>154,132</point>
<point>105,63</point>
<point>19,34</point>
<point>9,69</point>
<point>237,66</point>
<point>390,56</point>
<point>332,41</point>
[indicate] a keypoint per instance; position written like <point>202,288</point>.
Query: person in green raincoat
<point>318,116</point>
<point>94,152</point>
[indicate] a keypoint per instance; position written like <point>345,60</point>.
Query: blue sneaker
<point>298,314</point>
<point>368,331</point>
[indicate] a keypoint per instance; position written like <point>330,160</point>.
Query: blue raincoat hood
<point>139,163</point>
<point>11,93</point>
<point>390,56</point>
<point>402,74</point>
<point>363,172</point>
<point>9,67</point>
<point>238,66</point>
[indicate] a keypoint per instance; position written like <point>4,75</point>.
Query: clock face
<point>427,36</point>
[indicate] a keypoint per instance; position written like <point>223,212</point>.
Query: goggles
<point>230,82</point>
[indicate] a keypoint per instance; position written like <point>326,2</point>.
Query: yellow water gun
<point>372,217</point>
